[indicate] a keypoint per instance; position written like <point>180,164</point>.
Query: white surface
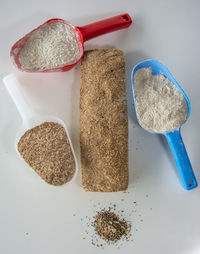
<point>38,218</point>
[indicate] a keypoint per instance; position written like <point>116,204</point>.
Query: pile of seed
<point>110,227</point>
<point>47,150</point>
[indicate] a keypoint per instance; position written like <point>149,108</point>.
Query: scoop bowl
<point>16,48</point>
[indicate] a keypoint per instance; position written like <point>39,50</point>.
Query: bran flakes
<point>46,149</point>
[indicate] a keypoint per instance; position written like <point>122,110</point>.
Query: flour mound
<point>161,107</point>
<point>53,45</point>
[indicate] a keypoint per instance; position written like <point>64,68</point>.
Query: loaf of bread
<point>103,121</point>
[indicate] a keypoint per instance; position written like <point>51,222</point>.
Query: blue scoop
<point>174,136</point>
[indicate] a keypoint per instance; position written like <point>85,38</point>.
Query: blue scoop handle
<point>181,158</point>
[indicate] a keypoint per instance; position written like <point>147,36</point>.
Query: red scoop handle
<point>105,26</point>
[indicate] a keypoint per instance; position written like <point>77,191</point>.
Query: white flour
<point>51,46</point>
<point>160,105</point>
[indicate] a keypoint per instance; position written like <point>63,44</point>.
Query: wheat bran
<point>103,121</point>
<point>46,149</point>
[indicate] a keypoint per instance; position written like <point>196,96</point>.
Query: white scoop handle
<point>13,87</point>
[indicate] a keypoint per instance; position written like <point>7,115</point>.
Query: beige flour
<point>160,105</point>
<point>51,46</point>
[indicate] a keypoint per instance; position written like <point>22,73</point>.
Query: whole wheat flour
<point>46,149</point>
<point>51,46</point>
<point>160,105</point>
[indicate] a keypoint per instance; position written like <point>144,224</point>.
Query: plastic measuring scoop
<point>174,136</point>
<point>31,118</point>
<point>82,34</point>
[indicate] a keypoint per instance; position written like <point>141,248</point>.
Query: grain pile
<point>110,227</point>
<point>46,149</point>
<point>103,121</point>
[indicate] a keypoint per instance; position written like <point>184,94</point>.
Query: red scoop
<point>82,34</point>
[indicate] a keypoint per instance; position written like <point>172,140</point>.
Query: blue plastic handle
<point>181,158</point>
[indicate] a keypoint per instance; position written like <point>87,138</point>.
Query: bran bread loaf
<point>103,121</point>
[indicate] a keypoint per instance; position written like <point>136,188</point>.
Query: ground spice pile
<point>47,150</point>
<point>110,227</point>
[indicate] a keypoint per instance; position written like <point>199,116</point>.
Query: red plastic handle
<point>105,26</point>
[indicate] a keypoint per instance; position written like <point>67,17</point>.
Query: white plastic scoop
<point>30,117</point>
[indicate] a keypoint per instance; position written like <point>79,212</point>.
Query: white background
<point>38,218</point>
